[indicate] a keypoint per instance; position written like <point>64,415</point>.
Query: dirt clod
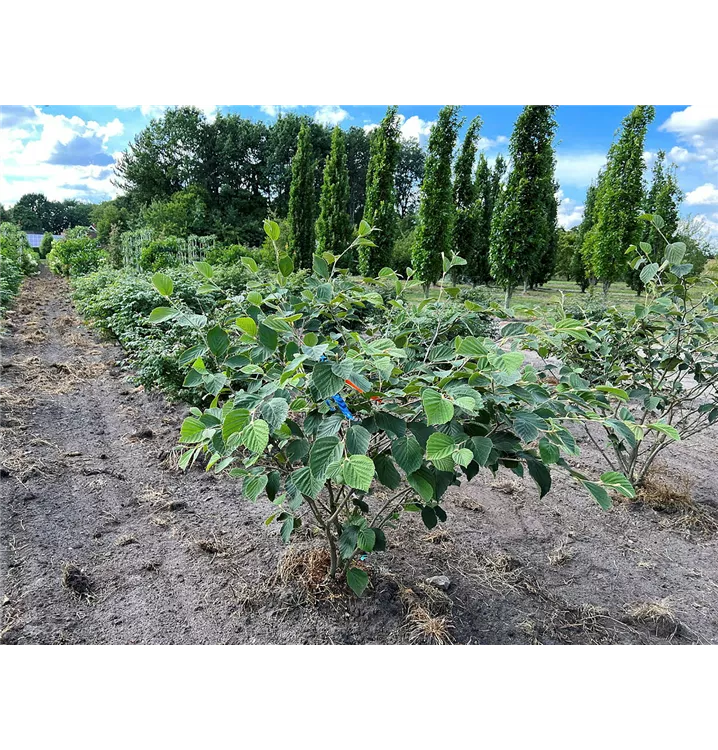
<point>76,580</point>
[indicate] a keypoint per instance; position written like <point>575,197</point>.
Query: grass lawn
<point>619,295</point>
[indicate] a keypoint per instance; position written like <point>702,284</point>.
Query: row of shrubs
<point>17,260</point>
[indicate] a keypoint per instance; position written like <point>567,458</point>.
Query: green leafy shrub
<point>75,255</point>
<point>592,308</point>
<point>401,253</point>
<point>316,415</point>
<point>10,278</point>
<point>45,245</point>
<point>160,253</point>
<point>477,296</point>
<point>15,247</point>
<point>118,303</point>
<point>647,377</point>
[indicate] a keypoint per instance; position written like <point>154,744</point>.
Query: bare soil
<point>102,541</point>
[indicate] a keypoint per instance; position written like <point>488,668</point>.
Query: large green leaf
<point>428,516</point>
<point>395,426</point>
<point>163,284</point>
<point>618,393</point>
<point>463,457</point>
<point>386,471</point>
<point>358,440</point>
<point>666,429</point>
<point>540,474</point>
<point>616,481</point>
<point>162,313</point>
<point>297,449</point>
<point>438,409</point>
<point>439,445</point>
<point>674,253</point>
<point>649,272</point>
<point>325,382</point>
<point>407,453</point>
<point>286,265</point>
<point>192,430</point>
<point>366,538</point>
<point>526,425</point>
<point>357,580</point>
<point>419,481</point>
<point>255,436</point>
<point>217,341</point>
<point>471,347</point>
<point>550,453</point>
<point>304,481</point>
<point>348,541</point>
<point>248,325</point>
<point>481,447</point>
<point>358,472</point>
<point>275,412</point>
<point>273,483</point>
<point>234,421</point>
<point>325,451</point>
<point>253,486</point>
<point>599,494</point>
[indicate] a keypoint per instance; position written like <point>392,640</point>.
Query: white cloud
<point>62,157</point>
<point>368,128</point>
<point>681,155</point>
<point>570,213</point>
<point>578,169</point>
<point>331,114</point>
<point>415,127</point>
<point>274,110</point>
<point>696,120</point>
<point>488,143</point>
<point>147,110</point>
<point>112,129</point>
<point>705,195</point>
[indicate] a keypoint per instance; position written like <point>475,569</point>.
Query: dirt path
<point>169,558</point>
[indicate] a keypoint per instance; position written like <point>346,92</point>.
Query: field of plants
<point>455,425</point>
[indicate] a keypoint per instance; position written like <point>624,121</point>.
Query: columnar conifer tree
<point>436,209</point>
<point>301,202</point>
<point>468,211</point>
<point>523,227</point>
<point>380,208</point>
<point>334,225</point>
<point>619,200</point>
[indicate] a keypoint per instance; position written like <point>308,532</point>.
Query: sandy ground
<point>103,542</point>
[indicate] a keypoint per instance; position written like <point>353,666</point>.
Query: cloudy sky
<point>69,151</point>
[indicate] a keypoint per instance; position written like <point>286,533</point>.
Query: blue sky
<point>68,151</point>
